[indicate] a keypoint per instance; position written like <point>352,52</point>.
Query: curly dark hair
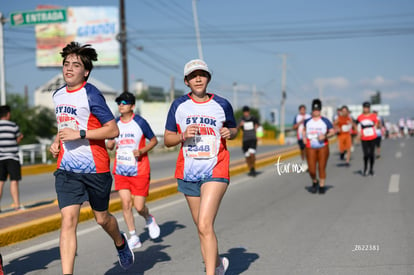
<point>86,53</point>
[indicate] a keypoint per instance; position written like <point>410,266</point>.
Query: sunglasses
<point>124,102</point>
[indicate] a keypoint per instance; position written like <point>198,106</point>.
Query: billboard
<point>98,26</point>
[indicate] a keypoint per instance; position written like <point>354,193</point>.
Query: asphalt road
<point>41,188</point>
<point>270,224</point>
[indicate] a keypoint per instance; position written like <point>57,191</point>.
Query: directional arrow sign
<point>38,17</point>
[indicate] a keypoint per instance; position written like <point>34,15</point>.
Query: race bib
<point>201,147</point>
<point>68,124</point>
<point>346,128</point>
<point>314,141</point>
<point>368,132</point>
<point>126,157</point>
<point>249,125</point>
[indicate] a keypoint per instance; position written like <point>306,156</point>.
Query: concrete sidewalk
<point>45,217</point>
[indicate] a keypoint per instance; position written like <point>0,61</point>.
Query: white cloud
<point>333,83</point>
<point>368,92</point>
<point>377,81</point>
<point>407,79</point>
<point>393,95</point>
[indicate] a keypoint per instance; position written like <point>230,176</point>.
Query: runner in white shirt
<point>132,167</point>
<point>84,121</point>
<point>201,122</point>
<point>317,130</point>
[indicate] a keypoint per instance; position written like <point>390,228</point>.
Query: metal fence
<point>29,153</point>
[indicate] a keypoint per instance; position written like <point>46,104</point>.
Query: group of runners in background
<point>313,131</point>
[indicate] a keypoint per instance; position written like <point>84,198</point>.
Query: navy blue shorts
<point>193,188</point>
<point>10,167</point>
<point>76,188</point>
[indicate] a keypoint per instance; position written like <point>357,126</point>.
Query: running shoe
<point>221,269</point>
<point>134,242</point>
<point>304,166</point>
<point>17,207</point>
<point>314,187</point>
<point>322,190</point>
<point>371,173</point>
<point>252,172</point>
<point>153,228</point>
<point>126,257</point>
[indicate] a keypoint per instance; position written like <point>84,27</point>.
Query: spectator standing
<point>10,137</point>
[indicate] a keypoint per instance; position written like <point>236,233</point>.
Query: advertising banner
<point>98,26</point>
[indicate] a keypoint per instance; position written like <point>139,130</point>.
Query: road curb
<point>31,229</point>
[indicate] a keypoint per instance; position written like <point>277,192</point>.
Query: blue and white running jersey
<point>132,136</point>
<point>204,156</point>
<point>82,109</point>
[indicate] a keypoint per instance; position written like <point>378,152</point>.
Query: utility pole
<point>197,30</point>
<point>235,96</point>
<point>172,92</point>
<point>123,40</point>
<point>282,102</point>
<point>2,73</point>
<point>254,99</point>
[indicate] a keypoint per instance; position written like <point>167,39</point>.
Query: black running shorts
<point>76,188</point>
<point>10,167</point>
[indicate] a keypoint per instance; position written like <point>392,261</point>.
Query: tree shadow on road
<point>38,260</point>
<point>239,260</point>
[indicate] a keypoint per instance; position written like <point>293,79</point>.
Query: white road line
<point>398,155</point>
<point>394,185</point>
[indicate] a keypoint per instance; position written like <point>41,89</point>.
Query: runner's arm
<point>148,147</point>
<point>108,130</point>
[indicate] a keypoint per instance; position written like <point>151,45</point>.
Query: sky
<point>340,51</point>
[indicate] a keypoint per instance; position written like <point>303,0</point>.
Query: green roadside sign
<point>38,17</point>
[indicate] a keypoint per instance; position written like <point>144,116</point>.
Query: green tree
<point>267,126</point>
<point>34,122</point>
<point>239,113</point>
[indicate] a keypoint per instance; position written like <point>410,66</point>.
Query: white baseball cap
<point>194,65</point>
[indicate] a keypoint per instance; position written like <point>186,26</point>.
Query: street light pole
<point>282,102</point>
<point>2,70</point>
<point>197,30</point>
<point>122,40</point>
<point>235,96</point>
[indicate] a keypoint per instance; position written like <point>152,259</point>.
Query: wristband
<point>183,136</point>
